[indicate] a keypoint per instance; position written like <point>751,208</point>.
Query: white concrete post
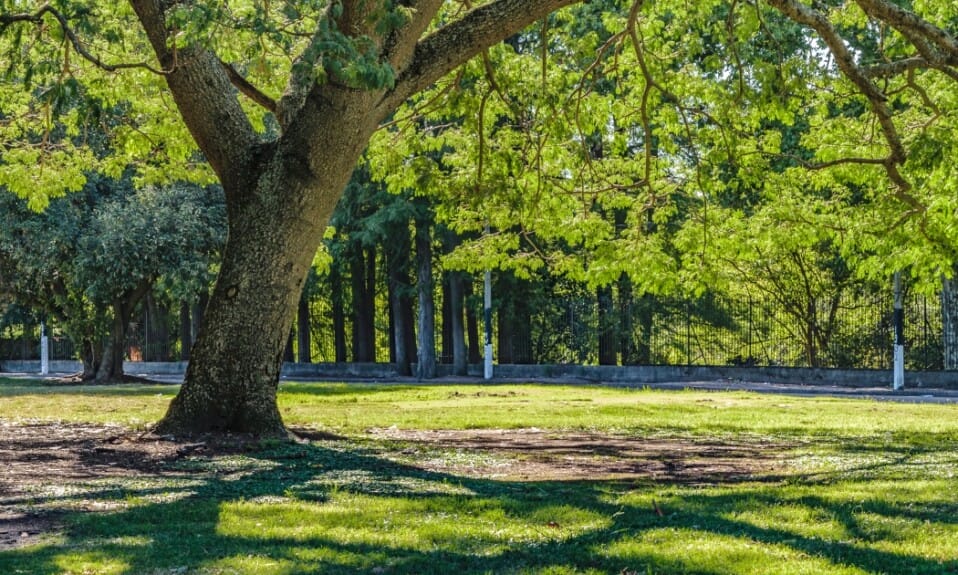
<point>487,316</point>
<point>44,351</point>
<point>898,378</point>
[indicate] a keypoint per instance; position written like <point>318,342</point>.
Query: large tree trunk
<point>949,322</point>
<point>280,195</point>
<point>232,378</point>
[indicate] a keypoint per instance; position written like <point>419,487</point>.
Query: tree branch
<point>205,98</point>
<point>804,14</point>
<point>452,45</point>
<point>909,23</point>
<point>897,67</point>
<point>37,18</point>
<point>247,89</point>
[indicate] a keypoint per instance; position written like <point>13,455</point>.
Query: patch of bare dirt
<point>33,454</point>
<point>538,455</point>
<point>45,454</point>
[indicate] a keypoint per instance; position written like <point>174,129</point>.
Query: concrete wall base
<point>624,375</point>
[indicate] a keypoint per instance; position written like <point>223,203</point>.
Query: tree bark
<point>607,339</point>
<point>426,361</point>
<point>459,357</point>
<point>626,328</point>
<point>472,325</point>
<point>303,327</point>
<point>186,333</point>
<point>398,254</point>
<point>949,322</point>
<point>339,314</point>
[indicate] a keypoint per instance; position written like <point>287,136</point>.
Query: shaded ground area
<point>534,454</point>
<point>45,455</point>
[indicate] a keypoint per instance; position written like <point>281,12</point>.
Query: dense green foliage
<point>92,256</point>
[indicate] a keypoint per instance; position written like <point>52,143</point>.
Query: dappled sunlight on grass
<point>856,501</point>
<point>673,550</point>
<point>100,562</point>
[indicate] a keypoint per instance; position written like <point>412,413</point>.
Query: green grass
<point>869,488</point>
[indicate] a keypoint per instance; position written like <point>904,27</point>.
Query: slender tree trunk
<point>398,254</point>
<point>157,328</point>
<point>186,334</point>
<point>456,327</point>
<point>445,355</point>
<point>626,329</point>
<point>472,325</point>
<point>199,309</point>
<point>363,272</point>
<point>289,356</point>
<point>646,325</point>
<point>303,327</point>
<point>111,362</point>
<point>426,365</point>
<point>91,355</point>
<point>369,303</point>
<point>339,314</point>
<point>607,339</point>
<point>949,322</point>
<point>504,291</point>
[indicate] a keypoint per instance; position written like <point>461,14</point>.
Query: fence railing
<point>855,331</point>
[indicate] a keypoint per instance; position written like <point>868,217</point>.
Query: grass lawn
<point>483,479</point>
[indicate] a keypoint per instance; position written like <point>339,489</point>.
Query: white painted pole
<point>898,378</point>
<point>487,316</point>
<point>44,351</point>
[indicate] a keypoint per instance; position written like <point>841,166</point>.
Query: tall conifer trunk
<point>949,322</point>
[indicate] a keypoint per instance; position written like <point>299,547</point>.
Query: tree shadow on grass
<point>335,507</point>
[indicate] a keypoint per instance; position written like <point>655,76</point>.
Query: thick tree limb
<point>399,47</point>
<point>911,24</point>
<point>896,67</point>
<point>452,45</point>
<point>205,98</point>
<point>247,89</point>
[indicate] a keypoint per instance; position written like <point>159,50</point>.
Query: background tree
<point>91,258</point>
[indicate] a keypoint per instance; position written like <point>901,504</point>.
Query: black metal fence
<point>572,327</point>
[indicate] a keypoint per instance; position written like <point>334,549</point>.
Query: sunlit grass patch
<point>672,550</point>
